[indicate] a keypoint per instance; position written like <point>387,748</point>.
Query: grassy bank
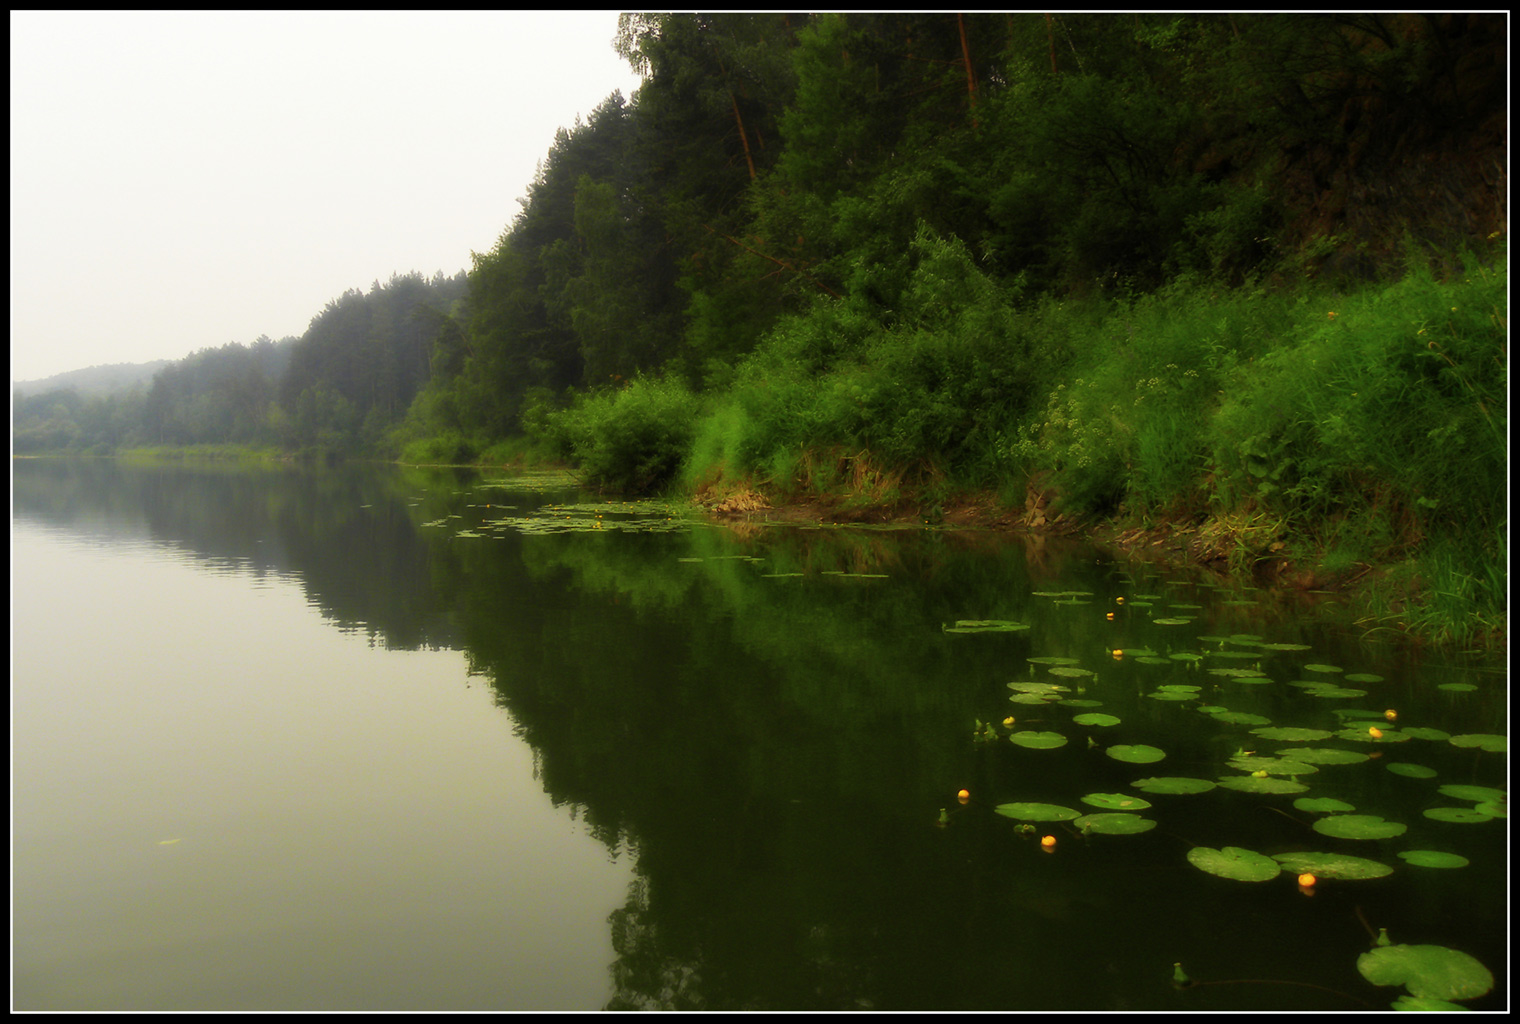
<point>1314,434</point>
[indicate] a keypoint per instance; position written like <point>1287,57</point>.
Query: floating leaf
<point>1322,668</point>
<point>1032,698</point>
<point>1363,677</point>
<point>1036,740</point>
<point>1234,862</point>
<point>1429,1005</point>
<point>1496,808</point>
<point>1322,805</point>
<point>1251,784</point>
<point>1045,689</point>
<point>1333,865</point>
<point>1411,771</point>
<point>1114,824</point>
<point>1135,753</point>
<point>1364,734</point>
<point>986,626</point>
<point>1179,688</point>
<point>1483,741</point>
<point>1433,859</point>
<point>1291,734</point>
<point>1171,622</point>
<point>1096,718</point>
<point>1185,657</point>
<point>1459,815</point>
<point>1239,718</point>
<point>1327,755</point>
<point>1080,702</point>
<point>1037,812</point>
<point>1046,659</point>
<point>1457,687</point>
<point>1359,826</point>
<point>1421,733</point>
<point>1336,692</point>
<point>1285,647</point>
<point>1173,785</point>
<point>1069,671</point>
<point>1428,972</point>
<point>1171,695</point>
<point>1116,801</point>
<point>1273,765</point>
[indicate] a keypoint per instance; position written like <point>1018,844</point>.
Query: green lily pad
<point>1147,659</point>
<point>1184,656</point>
<point>1239,718</point>
<point>1483,741</point>
<point>1457,687</point>
<point>986,626</point>
<point>1336,692</point>
<point>1459,815</point>
<point>1327,755</point>
<point>1037,812</point>
<point>1036,740</point>
<point>1285,647</point>
<point>1322,668</point>
<point>1433,859</point>
<point>1171,622</point>
<point>1032,698</point>
<point>1272,765</point>
<point>1135,753</point>
<point>1096,718</point>
<point>1234,862</point>
<point>1359,826</point>
<point>1251,784</point>
<point>1048,659</point>
<point>1172,695</point>
<point>1333,865</point>
<point>1116,801</point>
<point>1428,972</point>
<point>1173,785</point>
<point>1363,677</point>
<point>1044,689</point>
<point>1411,771</point>
<point>1079,702</point>
<point>1494,808</point>
<point>1069,672</point>
<point>1291,734</point>
<point>1322,805</point>
<point>1427,1005</point>
<point>1114,824</point>
<point>1179,688</point>
<point>1362,734</point>
<point>1420,732</point>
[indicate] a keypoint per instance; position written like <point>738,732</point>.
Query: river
<point>370,738</point>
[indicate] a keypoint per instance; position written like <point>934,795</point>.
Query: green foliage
<point>631,440</point>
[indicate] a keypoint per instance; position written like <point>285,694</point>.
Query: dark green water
<point>363,738</point>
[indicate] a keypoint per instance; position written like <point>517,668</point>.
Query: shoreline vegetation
<point>1229,286</point>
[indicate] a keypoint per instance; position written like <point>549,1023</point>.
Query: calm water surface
<point>364,738</point>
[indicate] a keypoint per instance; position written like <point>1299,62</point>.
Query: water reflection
<point>772,720</point>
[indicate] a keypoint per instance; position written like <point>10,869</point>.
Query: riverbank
<point>1387,601</point>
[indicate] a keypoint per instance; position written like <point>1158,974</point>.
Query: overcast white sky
<point>182,180</point>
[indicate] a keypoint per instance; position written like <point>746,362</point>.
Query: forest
<point>1246,272</point>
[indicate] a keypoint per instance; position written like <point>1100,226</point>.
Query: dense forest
<point>1240,270</point>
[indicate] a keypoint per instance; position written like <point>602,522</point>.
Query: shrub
<point>631,440</point>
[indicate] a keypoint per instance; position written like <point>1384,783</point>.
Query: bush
<point>631,440</point>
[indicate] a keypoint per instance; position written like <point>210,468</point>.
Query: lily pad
<point>1363,677</point>
<point>986,626</point>
<point>1496,808</point>
<point>1285,647</point>
<point>1428,972</point>
<point>1457,687</point>
<point>1036,740</point>
<point>1037,812</point>
<point>1234,862</point>
<point>1251,784</point>
<point>1273,765</point>
<point>1172,695</point>
<point>1239,718</point>
<point>1483,741</point>
<point>1135,753</point>
<point>1079,702</point>
<point>1411,771</point>
<point>1050,659</point>
<point>1322,805</point>
<point>1426,1005</point>
<point>1364,734</point>
<point>1291,734</point>
<point>1114,824</point>
<point>1420,732</point>
<point>1044,689</point>
<point>1327,755</point>
<point>1116,801</point>
<point>1333,865</point>
<point>1174,785</point>
<point>1459,815</point>
<point>1433,859</point>
<point>1359,826</point>
<point>1171,622</point>
<point>1322,668</point>
<point>1069,671</point>
<point>1096,718</point>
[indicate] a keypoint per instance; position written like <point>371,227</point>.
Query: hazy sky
<point>182,180</point>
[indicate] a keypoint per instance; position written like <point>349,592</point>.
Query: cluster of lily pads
<point>1433,975</point>
<point>623,516</point>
